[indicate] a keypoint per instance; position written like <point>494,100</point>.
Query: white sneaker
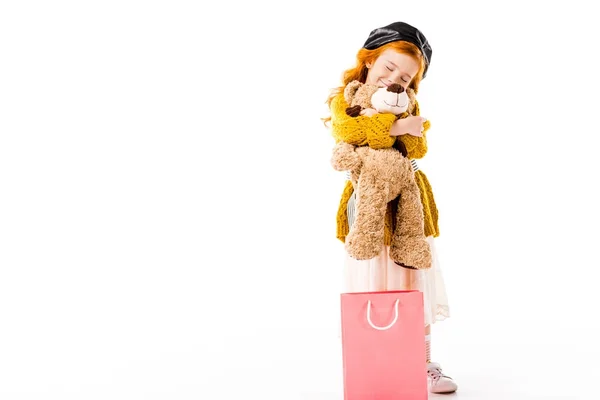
<point>438,382</point>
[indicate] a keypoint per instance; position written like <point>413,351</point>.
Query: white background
<point>167,207</point>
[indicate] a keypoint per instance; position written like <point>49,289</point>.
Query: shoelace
<point>436,373</point>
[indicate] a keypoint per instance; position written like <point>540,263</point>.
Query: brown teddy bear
<point>380,176</point>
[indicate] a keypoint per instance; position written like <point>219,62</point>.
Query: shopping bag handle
<point>382,328</point>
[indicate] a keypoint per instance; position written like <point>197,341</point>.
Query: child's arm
<point>373,131</point>
<point>416,146</point>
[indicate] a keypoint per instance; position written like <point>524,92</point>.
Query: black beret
<point>400,31</point>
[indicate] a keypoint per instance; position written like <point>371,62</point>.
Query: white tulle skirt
<point>382,274</point>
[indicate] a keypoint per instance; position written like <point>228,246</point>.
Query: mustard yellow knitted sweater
<point>375,132</point>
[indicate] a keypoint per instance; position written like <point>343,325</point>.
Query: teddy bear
<point>380,176</point>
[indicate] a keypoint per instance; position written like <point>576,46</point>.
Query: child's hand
<point>369,112</point>
<point>412,125</point>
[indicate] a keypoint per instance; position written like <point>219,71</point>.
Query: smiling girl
<point>395,54</point>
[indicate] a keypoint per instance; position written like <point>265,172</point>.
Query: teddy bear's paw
<point>411,253</point>
<point>353,111</point>
<point>344,158</point>
<point>363,246</point>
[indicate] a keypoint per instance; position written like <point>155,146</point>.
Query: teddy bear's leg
<point>365,239</point>
<point>344,158</point>
<point>409,246</point>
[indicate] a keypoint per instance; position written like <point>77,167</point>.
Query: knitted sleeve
<point>416,147</point>
<point>372,131</point>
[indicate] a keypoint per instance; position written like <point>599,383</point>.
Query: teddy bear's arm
<point>360,131</point>
<point>344,158</point>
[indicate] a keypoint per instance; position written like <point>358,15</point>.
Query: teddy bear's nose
<point>395,88</point>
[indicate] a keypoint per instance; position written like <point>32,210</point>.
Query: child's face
<point>392,67</point>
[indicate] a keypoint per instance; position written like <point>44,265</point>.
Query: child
<point>397,53</point>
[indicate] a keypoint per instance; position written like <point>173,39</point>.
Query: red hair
<point>364,57</point>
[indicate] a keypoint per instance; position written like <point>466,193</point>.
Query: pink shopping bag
<point>383,346</point>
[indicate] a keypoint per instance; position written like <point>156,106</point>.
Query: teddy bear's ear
<point>413,106</point>
<point>351,90</point>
